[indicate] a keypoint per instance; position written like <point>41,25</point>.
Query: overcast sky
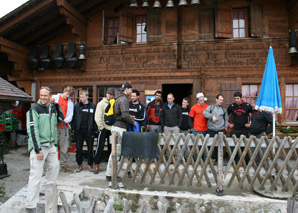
<point>9,5</point>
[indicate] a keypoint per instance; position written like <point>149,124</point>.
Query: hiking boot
<point>109,178</point>
<point>90,168</point>
<point>96,168</point>
<point>129,175</point>
<point>66,169</point>
<point>80,168</point>
<point>33,210</point>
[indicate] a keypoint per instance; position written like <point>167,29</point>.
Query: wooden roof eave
<point>16,98</point>
<point>18,55</point>
<point>34,36</point>
<point>24,16</point>
<point>74,18</point>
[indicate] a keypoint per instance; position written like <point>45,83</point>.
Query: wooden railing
<point>186,161</point>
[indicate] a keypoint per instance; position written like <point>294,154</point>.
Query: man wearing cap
<point>104,130</point>
<point>198,122</point>
<point>239,116</point>
<point>121,111</point>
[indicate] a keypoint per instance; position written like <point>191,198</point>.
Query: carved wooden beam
<point>74,18</point>
<point>88,4</point>
<point>21,33</point>
<point>293,17</point>
<point>24,16</point>
<point>43,31</point>
<point>17,54</point>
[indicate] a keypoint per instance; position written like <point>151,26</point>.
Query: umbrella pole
<point>273,129</point>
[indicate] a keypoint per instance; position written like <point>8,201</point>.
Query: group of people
<point>49,121</point>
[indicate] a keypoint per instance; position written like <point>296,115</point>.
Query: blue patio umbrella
<point>269,96</point>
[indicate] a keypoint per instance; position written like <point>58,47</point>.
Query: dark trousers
<point>238,133</point>
<point>102,136</point>
<point>80,136</point>
<point>212,133</point>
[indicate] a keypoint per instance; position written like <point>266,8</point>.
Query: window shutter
<point>153,26</point>
<point>228,90</point>
<point>256,20</point>
<point>206,24</point>
<point>223,21</point>
<point>126,27</point>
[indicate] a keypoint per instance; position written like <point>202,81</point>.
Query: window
<point>240,23</point>
<point>112,30</point>
<point>233,22</point>
<point>129,28</point>
<point>291,102</point>
<point>141,29</point>
<point>102,91</point>
<point>249,92</point>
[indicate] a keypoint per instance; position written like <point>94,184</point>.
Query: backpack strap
<point>212,108</point>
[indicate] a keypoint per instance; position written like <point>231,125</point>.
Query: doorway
<point>179,90</point>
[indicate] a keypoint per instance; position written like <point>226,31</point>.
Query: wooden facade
<point>217,47</point>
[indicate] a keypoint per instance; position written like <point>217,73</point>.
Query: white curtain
<point>291,90</point>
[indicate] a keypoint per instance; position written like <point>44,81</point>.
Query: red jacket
<point>153,111</point>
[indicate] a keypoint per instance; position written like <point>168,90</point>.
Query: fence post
<point>219,190</point>
<point>292,205</point>
<point>51,197</point>
<point>114,160</point>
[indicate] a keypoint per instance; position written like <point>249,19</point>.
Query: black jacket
<point>171,117</point>
<point>76,120</point>
<point>239,114</point>
<point>185,119</point>
<point>261,122</point>
<point>139,111</point>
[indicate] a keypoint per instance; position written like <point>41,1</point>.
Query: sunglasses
<point>47,88</point>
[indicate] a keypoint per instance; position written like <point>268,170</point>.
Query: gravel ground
<point>17,160</point>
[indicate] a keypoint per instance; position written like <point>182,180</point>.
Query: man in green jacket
<point>42,132</point>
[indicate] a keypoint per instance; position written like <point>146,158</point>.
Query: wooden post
<point>64,202</point>
<point>77,201</point>
<point>292,205</point>
<point>219,190</point>
<point>114,160</point>
<point>51,196</point>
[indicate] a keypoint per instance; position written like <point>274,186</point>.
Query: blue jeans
<point>196,132</point>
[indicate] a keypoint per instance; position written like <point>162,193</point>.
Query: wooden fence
<point>186,161</point>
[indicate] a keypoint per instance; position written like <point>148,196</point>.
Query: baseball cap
<point>200,95</point>
<point>237,94</point>
<point>124,86</point>
<point>111,91</point>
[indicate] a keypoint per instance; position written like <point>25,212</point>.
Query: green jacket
<point>41,126</point>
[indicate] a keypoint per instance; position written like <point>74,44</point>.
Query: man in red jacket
<point>153,111</point>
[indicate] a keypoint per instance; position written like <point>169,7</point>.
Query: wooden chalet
<point>191,46</point>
